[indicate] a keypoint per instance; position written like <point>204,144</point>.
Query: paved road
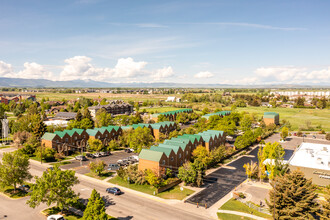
<point>129,205</point>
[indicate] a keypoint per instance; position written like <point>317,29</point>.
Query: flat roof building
<point>314,161</point>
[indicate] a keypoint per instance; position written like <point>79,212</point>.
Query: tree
<point>327,136</point>
<point>139,138</point>
<point>95,145</point>
<point>45,153</point>
<point>187,173</point>
<point>201,158</point>
<point>87,114</point>
<point>273,151</point>
<point>103,118</point>
<point>246,123</point>
<point>21,137</point>
<point>95,209</point>
<point>97,166</point>
<point>293,197</point>
<point>14,169</point>
<point>79,116</point>
<point>205,111</point>
<point>251,169</point>
<point>153,179</point>
<point>162,118</point>
<point>113,145</point>
<point>284,132</point>
<point>39,129</point>
<point>182,118</point>
<point>325,212</point>
<point>54,186</point>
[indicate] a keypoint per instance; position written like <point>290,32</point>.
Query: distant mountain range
<point>44,83</point>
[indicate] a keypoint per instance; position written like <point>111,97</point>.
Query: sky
<point>182,41</point>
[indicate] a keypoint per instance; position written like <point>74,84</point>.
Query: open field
<point>296,116</point>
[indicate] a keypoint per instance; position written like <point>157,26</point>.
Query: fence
<point>162,189</point>
<point>253,206</point>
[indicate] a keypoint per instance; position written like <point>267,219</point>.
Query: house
<point>173,99</point>
<point>113,108</point>
<point>51,140</point>
<point>271,118</point>
<point>67,116</point>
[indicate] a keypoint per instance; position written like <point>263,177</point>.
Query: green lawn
<point>104,175</point>
<point>173,193</point>
<point>235,205</point>
<point>296,116</point>
<point>225,216</point>
<point>159,109</point>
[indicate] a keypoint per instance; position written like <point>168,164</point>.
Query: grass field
<point>159,109</point>
<point>235,205</point>
<point>296,116</point>
<point>173,193</point>
<point>225,216</point>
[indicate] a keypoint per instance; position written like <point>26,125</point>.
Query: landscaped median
<point>235,205</point>
<point>68,215</point>
<point>9,192</point>
<point>172,193</point>
<point>102,176</point>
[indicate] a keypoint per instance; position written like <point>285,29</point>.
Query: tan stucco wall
<point>319,177</point>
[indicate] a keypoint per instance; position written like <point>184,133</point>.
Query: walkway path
<point>241,214</point>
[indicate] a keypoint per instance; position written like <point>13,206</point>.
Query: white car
<point>55,217</point>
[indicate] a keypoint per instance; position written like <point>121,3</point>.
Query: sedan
<point>80,157</point>
<point>114,190</point>
<point>97,154</point>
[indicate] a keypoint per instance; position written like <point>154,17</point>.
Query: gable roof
<point>48,136</point>
<point>78,130</point>
<point>69,132</point>
<point>60,133</point>
<point>167,151</point>
<point>91,132</point>
<point>173,147</point>
<point>151,155</point>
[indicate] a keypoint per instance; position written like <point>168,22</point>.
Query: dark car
<point>81,157</point>
<point>114,190</point>
<point>90,155</point>
<point>128,150</point>
<point>25,188</point>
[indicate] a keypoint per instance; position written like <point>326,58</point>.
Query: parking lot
<point>82,166</point>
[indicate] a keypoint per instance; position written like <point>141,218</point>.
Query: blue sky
<point>214,41</point>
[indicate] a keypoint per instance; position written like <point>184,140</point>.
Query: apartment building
<point>271,118</point>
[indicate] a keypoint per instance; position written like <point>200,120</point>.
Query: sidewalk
<point>241,214</point>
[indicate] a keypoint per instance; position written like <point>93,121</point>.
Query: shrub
<point>47,154</point>
<point>327,136</point>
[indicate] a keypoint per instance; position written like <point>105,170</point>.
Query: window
<point>66,140</point>
<point>106,135</point>
<point>187,153</point>
<point>163,162</point>
<point>98,137</point>
<point>75,137</point>
<point>180,155</point>
<point>172,158</point>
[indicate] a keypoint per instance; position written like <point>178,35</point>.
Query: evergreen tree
<point>79,116</point>
<point>87,114</point>
<point>95,209</point>
<point>294,197</point>
<point>325,213</point>
<point>39,129</point>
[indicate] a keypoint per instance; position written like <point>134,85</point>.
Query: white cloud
<point>205,74</point>
<point>163,73</point>
<point>128,68</point>
<point>292,74</point>
<point>6,69</point>
<point>34,71</point>
<point>78,67</point>
<point>31,71</point>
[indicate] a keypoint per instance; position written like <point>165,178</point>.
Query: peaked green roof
<point>102,130</point>
<point>78,130</point>
<point>173,147</point>
<point>176,143</point>
<point>151,155</point>
<point>91,132</point>
<point>69,132</point>
<point>60,133</point>
<point>48,136</point>
<point>167,151</point>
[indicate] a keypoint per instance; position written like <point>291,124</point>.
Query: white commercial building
<point>314,161</point>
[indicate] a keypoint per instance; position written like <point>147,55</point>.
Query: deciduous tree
<point>54,187</point>
<point>97,166</point>
<point>14,169</point>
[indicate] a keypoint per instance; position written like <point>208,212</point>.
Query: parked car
<point>97,154</point>
<point>120,162</point>
<point>55,217</point>
<point>113,166</point>
<point>314,136</point>
<point>114,190</point>
<point>81,157</point>
<point>133,158</point>
<point>129,150</point>
<point>103,154</point>
<point>90,155</point>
